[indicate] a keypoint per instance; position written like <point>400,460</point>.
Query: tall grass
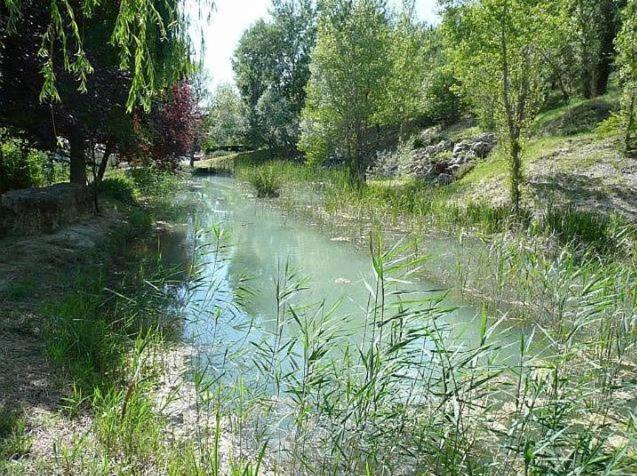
<point>401,398</point>
<point>415,205</point>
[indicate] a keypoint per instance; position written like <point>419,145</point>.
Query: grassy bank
<point>102,330</point>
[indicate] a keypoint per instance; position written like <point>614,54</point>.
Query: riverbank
<point>96,378</point>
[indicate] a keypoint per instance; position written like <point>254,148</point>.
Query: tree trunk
<point>607,32</point>
<point>516,173</point>
<point>104,163</point>
<point>630,123</point>
<point>78,159</point>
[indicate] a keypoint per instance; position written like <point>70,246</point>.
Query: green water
<point>259,243</point>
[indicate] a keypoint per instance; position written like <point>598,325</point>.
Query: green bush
<point>265,181</point>
<point>151,181</point>
<point>20,166</point>
<point>121,188</point>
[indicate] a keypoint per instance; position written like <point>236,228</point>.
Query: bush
<point>265,180</point>
<point>120,188</point>
<point>20,166</point>
<point>151,181</point>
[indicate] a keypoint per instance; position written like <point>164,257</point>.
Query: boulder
<point>444,179</point>
<point>461,147</point>
<point>482,149</point>
<point>37,210</point>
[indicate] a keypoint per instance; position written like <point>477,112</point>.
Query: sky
<point>232,17</point>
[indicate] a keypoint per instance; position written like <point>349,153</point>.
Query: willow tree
<point>497,47</point>
<point>138,28</point>
<point>346,95</point>
<point>627,63</point>
<point>78,68</point>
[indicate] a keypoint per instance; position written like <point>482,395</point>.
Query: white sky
<point>232,17</point>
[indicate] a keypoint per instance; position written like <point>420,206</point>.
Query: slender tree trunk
<point>512,128</point>
<point>104,163</point>
<point>78,158</point>
<point>358,162</point>
<point>516,173</point>
<point>630,123</point>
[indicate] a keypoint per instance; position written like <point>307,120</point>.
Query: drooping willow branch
<point>150,36</point>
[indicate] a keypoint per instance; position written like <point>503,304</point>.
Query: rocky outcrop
<point>42,210</point>
<point>441,162</point>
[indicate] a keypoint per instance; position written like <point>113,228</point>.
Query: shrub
<point>20,166</point>
<point>265,181</point>
<point>151,181</point>
<point>120,188</point>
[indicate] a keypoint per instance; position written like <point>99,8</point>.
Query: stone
<point>482,149</point>
<point>444,179</point>
<point>36,210</point>
<point>461,147</point>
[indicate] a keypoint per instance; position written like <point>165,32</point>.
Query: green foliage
<point>409,50</point>
<point>627,63</point>
<point>21,166</point>
<point>271,68</point>
<point>498,48</point>
<point>151,181</point>
<point>80,340</point>
<point>578,117</point>
<point>14,439</point>
<point>139,28</point>
<point>265,180</point>
<point>121,188</point>
<point>351,70</point>
<point>224,124</point>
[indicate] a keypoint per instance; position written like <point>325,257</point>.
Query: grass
<point>402,398</point>
<point>265,180</point>
<point>14,439</point>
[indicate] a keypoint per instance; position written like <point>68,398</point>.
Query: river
<point>245,247</point>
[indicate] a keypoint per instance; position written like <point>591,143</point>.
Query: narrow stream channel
<point>236,300</point>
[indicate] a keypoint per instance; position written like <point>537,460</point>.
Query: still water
<point>243,262</point>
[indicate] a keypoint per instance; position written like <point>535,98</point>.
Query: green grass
<point>264,179</point>
<point>20,290</point>
<point>14,439</point>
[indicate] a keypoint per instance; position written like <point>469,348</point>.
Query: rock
<point>429,136</point>
<point>461,147</point>
<point>36,210</point>
<point>482,149</point>
<point>440,167</point>
<point>444,179</point>
<point>488,137</point>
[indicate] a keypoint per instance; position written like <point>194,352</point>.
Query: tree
<point>171,128</point>
<point>351,70</point>
<point>271,66</point>
<point>497,47</point>
<point>595,24</point>
<point>138,28</point>
<point>627,64</point>
<point>224,123</point>
<point>85,110</point>
<point>410,57</point>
